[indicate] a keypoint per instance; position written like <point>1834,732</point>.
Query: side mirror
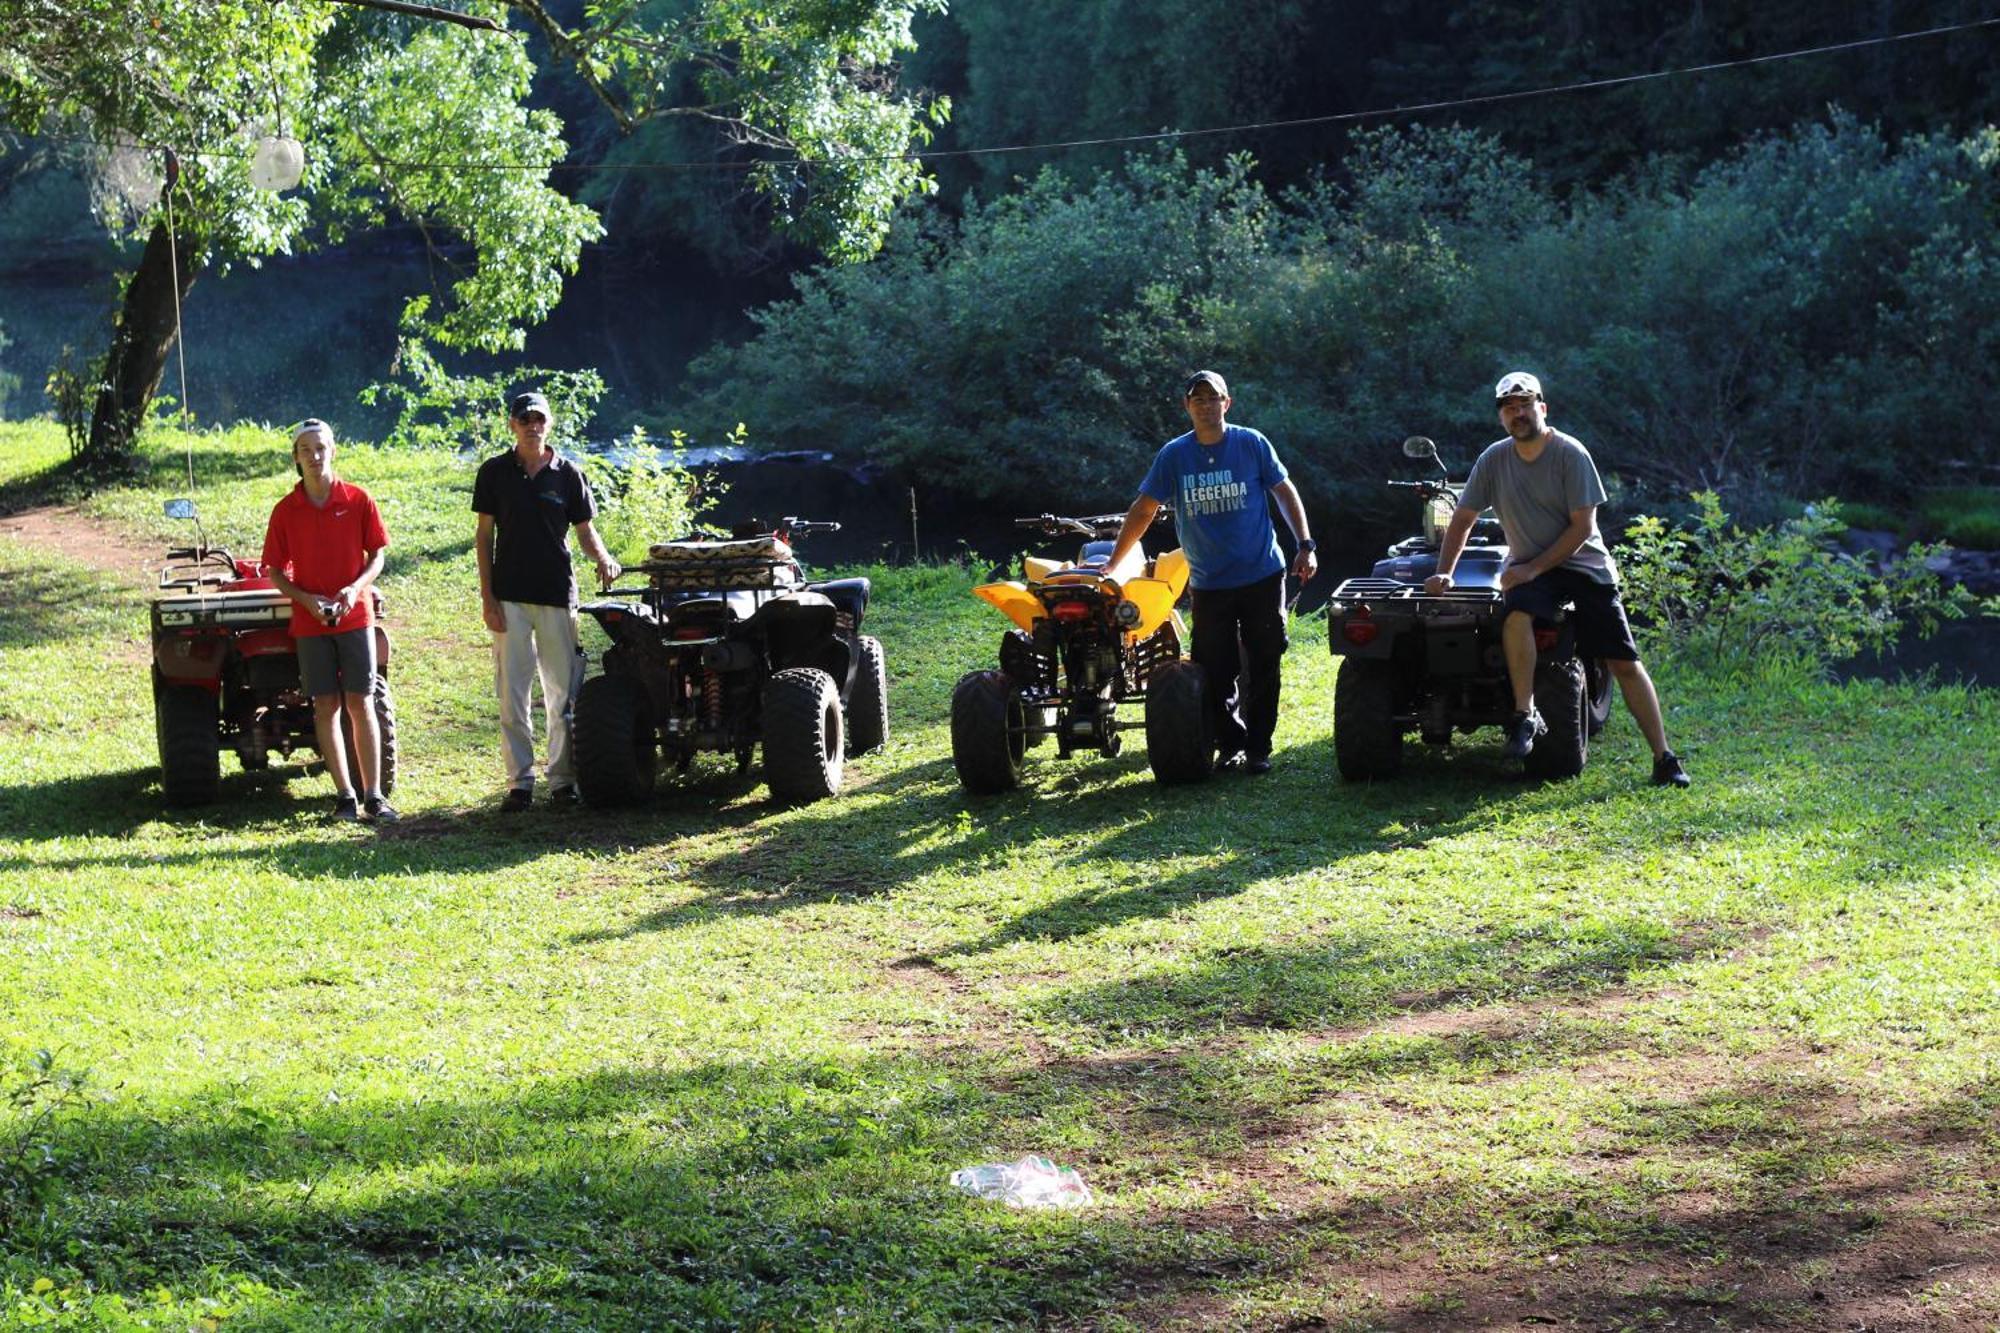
<point>1418,446</point>
<point>180,508</point>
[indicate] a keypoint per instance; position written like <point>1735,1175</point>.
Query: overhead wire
<point>1158,136</point>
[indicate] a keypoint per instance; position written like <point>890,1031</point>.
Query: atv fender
<point>801,630</point>
<point>849,597</point>
<point>1013,600</point>
<point>1172,570</point>
<point>615,617</point>
<point>264,642</point>
<point>1155,600</point>
<point>191,659</point>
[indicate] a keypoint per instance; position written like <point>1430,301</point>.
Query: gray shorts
<point>338,663</point>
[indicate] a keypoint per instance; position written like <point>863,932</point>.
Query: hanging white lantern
<point>277,164</point>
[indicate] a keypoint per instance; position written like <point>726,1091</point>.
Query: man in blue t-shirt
<point>1217,477</point>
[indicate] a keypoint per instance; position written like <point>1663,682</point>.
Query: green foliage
<point>1035,350</point>
<point>1791,318</point>
<point>9,381</point>
<point>1724,595</point>
<point>437,408</point>
<point>806,86</point>
<point>34,1094</point>
<point>1967,516</point>
<point>649,498</point>
<point>70,392</point>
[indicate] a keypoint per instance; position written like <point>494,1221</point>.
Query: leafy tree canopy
<point>427,122</point>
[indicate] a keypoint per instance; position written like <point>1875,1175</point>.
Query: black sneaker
<point>1667,771</point>
<point>518,799</point>
<point>379,810</point>
<point>344,810</point>
<point>1521,734</point>
<point>566,795</point>
<point>1257,767</point>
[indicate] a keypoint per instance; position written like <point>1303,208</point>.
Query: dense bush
<point>1798,318</point>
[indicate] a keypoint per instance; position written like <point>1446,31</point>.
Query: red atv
<point>226,672</point>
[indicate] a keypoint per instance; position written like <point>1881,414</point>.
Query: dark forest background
<point>1778,281</point>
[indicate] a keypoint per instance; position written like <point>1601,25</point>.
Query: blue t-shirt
<point>1220,511</point>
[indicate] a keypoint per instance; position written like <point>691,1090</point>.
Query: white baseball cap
<point>1517,384</point>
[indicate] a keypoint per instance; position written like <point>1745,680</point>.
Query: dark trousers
<point>1239,643</point>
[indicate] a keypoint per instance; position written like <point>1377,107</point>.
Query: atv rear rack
<point>754,564</point>
<point>1411,597</point>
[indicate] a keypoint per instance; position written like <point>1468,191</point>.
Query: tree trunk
<point>140,342</point>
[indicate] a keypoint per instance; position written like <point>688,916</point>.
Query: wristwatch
<point>1308,546</point>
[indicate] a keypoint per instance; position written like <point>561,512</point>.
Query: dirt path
<point>75,535</point>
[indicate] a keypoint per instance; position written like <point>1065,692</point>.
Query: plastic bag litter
<point>1032,1182</point>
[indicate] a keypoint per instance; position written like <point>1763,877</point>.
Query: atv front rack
<point>248,607</point>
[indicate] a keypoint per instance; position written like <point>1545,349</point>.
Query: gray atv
<point>1432,663</point>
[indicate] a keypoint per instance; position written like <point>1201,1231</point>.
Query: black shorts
<point>341,663</point>
<point>1599,615</point>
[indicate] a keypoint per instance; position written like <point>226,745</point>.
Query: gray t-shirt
<point>1534,500</point>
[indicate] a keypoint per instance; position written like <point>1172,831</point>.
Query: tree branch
<point>561,42</point>
<point>428,12</point>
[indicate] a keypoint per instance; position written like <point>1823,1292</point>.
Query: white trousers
<point>540,641</point>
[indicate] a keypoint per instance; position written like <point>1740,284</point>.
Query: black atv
<point>1432,663</point>
<point>728,647</point>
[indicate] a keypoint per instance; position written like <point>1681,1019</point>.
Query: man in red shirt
<point>323,549</point>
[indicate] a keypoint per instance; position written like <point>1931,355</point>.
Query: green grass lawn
<point>1450,1052</point>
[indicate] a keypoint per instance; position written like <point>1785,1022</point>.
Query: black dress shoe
<point>1257,767</point>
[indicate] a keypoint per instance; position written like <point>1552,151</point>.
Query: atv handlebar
<point>1102,527</point>
<point>805,527</point>
<point>193,560</point>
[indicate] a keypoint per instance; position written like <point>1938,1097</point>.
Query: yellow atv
<point>1086,638</point>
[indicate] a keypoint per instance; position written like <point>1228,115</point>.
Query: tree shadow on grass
<point>1349,976</point>
<point>788,1193</point>
<point>42,606</point>
<point>1750,1202</point>
<point>1102,828</point>
<point>806,1192</point>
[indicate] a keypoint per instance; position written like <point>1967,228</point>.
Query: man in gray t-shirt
<point>1546,491</point>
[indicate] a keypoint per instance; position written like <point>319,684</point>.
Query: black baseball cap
<point>525,403</point>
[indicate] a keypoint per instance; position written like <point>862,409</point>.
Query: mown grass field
<point>1449,1052</point>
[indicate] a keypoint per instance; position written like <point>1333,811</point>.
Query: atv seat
<point>1092,567</point>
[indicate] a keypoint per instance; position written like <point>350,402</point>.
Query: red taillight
<point>1360,628</point>
<point>1069,612</point>
<point>1545,640</point>
<point>613,617</point>
<point>692,632</point>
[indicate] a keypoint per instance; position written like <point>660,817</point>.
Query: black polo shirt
<point>532,517</point>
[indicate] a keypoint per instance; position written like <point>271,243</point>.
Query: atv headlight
<point>1126,614</point>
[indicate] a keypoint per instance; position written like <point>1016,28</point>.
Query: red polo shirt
<point>323,549</point>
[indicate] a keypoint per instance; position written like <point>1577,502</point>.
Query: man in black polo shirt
<point>527,500</point>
